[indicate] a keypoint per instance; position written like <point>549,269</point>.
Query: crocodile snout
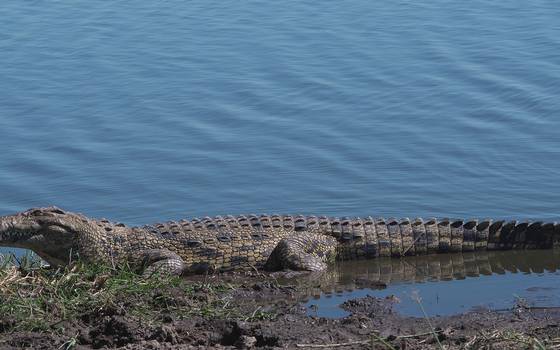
<point>4,228</point>
<point>16,228</point>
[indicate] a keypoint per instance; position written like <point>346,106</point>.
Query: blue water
<point>453,297</point>
<point>146,111</point>
<point>442,284</point>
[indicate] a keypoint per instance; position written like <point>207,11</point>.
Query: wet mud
<point>284,322</point>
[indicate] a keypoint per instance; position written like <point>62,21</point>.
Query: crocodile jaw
<point>16,230</point>
<point>3,231</point>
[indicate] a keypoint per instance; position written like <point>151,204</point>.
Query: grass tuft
<point>38,299</point>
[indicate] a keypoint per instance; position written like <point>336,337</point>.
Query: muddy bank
<point>264,311</point>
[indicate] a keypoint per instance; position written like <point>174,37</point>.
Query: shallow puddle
<point>444,284</point>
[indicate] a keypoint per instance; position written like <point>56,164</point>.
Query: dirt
<point>285,323</point>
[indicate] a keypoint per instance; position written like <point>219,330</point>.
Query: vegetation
<point>41,300</point>
<point>38,299</point>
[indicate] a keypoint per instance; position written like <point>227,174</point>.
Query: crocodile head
<point>50,232</point>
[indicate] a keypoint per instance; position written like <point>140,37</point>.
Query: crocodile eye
<point>56,211</point>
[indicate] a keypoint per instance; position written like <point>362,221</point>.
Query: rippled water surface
<point>145,111</point>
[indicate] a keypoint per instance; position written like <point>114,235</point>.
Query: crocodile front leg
<point>303,251</point>
<point>158,261</point>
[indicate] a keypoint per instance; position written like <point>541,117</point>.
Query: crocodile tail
<point>369,237</point>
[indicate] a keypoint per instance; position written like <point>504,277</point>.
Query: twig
<point>383,341</point>
<point>359,342</point>
<point>419,334</point>
<point>255,312</point>
<point>333,345</point>
<point>413,243</point>
<point>428,321</point>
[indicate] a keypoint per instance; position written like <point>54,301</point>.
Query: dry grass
<point>508,339</point>
<point>38,299</point>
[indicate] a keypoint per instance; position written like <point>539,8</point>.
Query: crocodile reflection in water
<point>380,272</point>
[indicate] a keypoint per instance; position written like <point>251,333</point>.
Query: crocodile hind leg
<point>159,261</point>
<point>303,251</point>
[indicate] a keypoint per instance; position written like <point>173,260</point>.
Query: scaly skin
<point>271,242</point>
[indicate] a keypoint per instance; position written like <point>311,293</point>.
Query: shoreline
<point>88,307</point>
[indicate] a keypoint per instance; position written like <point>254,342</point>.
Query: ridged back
<point>370,237</point>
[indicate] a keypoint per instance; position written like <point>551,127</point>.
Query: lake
<point>150,111</point>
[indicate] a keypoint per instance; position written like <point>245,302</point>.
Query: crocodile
<point>271,242</point>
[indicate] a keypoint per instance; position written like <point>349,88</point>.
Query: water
<point>465,282</point>
<point>159,110</point>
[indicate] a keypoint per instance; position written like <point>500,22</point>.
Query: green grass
<point>38,299</point>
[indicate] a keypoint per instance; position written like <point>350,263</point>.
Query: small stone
<point>246,342</point>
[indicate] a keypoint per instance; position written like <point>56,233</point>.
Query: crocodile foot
<point>303,251</point>
<point>159,261</point>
